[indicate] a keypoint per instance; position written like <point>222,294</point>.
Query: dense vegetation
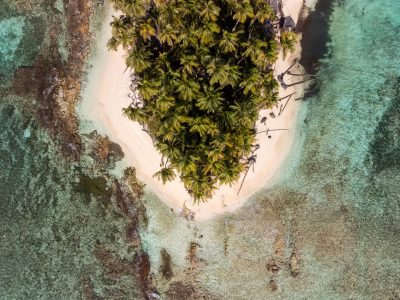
<point>203,71</point>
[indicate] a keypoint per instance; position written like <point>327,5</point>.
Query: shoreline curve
<point>107,91</point>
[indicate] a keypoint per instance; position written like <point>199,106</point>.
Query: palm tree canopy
<point>203,70</point>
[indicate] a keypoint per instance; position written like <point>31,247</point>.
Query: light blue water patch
<point>11,34</point>
<point>27,133</point>
<point>21,39</point>
<point>53,218</point>
<point>343,116</point>
<point>337,205</point>
<point>60,234</point>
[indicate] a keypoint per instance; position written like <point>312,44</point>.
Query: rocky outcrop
<point>55,77</point>
<point>50,87</point>
<point>294,265</point>
<point>166,265</point>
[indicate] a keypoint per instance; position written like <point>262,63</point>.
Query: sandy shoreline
<point>106,93</point>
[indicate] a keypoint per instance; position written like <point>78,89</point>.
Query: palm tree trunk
<point>302,81</point>
<point>286,96</point>
<point>268,130</point>
<point>280,76</point>
<point>262,103</point>
<point>281,110</point>
<point>234,27</point>
<point>294,74</point>
<point>243,179</point>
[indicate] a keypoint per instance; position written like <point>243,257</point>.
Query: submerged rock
<point>87,289</point>
<point>114,266</point>
<point>294,265</point>
<point>180,291</point>
<point>192,256</point>
<point>272,266</point>
<point>272,285</point>
<point>165,268</point>
<point>132,235</point>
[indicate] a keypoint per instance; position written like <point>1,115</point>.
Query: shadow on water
<point>314,43</point>
<point>96,187</point>
<point>385,147</point>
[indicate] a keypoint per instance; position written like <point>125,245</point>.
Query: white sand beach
<point>107,92</point>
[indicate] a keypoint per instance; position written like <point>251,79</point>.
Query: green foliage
<point>288,40</point>
<point>203,70</point>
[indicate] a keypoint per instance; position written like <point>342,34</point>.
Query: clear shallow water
<point>21,36</point>
<point>61,234</point>
<point>58,227</point>
<point>336,205</point>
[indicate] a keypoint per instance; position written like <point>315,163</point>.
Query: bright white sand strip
<point>106,93</point>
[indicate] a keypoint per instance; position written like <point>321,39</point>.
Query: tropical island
<point>317,215</point>
<point>203,72</point>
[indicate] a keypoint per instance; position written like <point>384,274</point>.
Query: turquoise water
<point>336,205</point>
<point>51,224</point>
<point>11,33</point>
<point>62,235</point>
<point>21,37</point>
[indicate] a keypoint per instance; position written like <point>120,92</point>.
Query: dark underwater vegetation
<point>329,228</point>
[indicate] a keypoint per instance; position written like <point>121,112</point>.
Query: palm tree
<point>252,83</point>
<point>228,119</point>
<point>210,11</point>
<point>224,74</point>
<point>263,59</point>
<point>245,117</point>
<point>189,8</point>
<point>229,41</point>
<point>288,40</point>
<point>160,3</point>
<point>187,164</point>
<point>199,187</point>
<point>242,11</point>
<point>147,30</point>
<point>113,43</point>
<point>264,11</point>
<point>165,174</point>
<point>230,174</point>
<point>135,114</point>
<point>210,99</point>
<point>168,35</point>
<point>168,15</point>
<point>206,33</point>
<point>136,8</point>
<point>188,37</point>
<point>250,49</point>
<point>164,103</point>
<point>188,89</point>
<point>261,53</point>
<point>123,33</point>
<point>148,88</point>
<point>168,150</point>
<point>138,59</point>
<point>204,127</point>
<point>189,63</point>
<point>201,82</point>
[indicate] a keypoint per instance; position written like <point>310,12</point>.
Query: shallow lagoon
<point>336,204</point>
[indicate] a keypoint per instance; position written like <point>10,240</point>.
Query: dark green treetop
<point>203,70</point>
